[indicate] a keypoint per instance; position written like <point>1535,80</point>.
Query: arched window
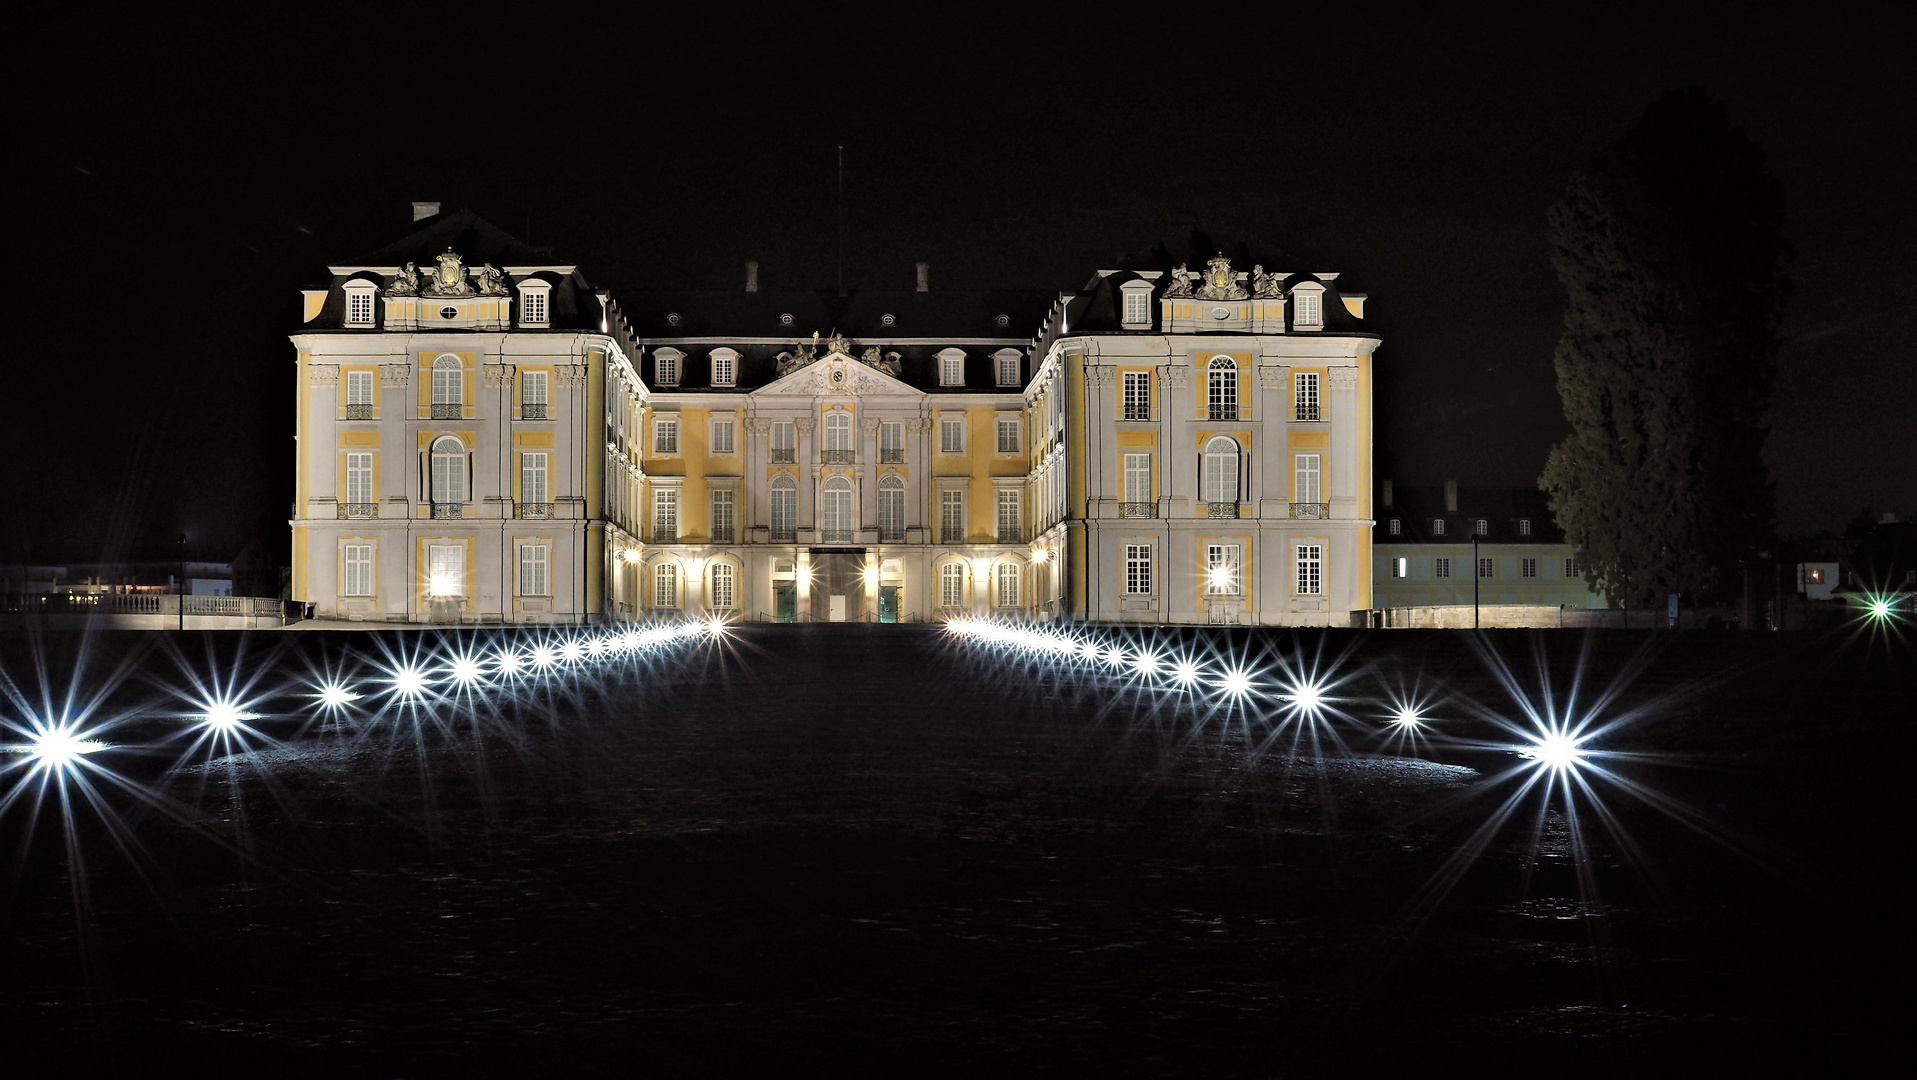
<point>838,437</point>
<point>449,470</point>
<point>952,585</point>
<point>724,593</point>
<point>665,584</point>
<point>892,509</point>
<point>1221,386</point>
<point>1221,472</point>
<point>449,384</point>
<point>785,508</point>
<point>835,512</point>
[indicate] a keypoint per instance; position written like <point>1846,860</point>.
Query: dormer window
<point>535,303</point>
<point>1524,526</point>
<point>785,319</point>
<point>725,367</point>
<point>1308,306</point>
<point>1137,313</point>
<point>672,319</point>
<point>1006,366</point>
<point>1003,320</point>
<point>952,367</point>
<point>665,366</point>
<point>1437,526</point>
<point>887,320</point>
<point>359,302</point>
<point>1482,527</point>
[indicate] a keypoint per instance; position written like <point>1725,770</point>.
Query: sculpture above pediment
<point>1220,282</point>
<point>448,278</point>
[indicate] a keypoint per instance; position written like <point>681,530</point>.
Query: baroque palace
<point>485,437</point>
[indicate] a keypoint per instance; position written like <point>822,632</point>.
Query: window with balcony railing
<point>533,410</point>
<point>448,412</point>
<point>892,456</point>
<point>1137,509</point>
<point>836,457</point>
<point>1221,510</point>
<point>443,510</point>
<point>358,510</point>
<point>359,412</point>
<point>535,511</point>
<point>783,455</point>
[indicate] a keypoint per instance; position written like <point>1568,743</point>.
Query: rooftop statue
<point>1266,286</point>
<point>836,344</point>
<point>1220,282</point>
<point>491,281</point>
<point>405,283</point>
<point>1180,284</point>
<point>448,278</point>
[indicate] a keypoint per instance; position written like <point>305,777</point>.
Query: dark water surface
<point>870,850</point>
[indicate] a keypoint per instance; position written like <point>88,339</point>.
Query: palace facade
<point>486,437</point>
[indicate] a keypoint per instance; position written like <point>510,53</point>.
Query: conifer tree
<point>1669,251</point>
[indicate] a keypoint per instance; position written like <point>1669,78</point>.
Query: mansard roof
<point>1099,307</point>
<point>758,363</point>
<point>949,314</point>
<point>1501,509</point>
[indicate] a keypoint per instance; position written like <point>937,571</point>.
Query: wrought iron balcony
<point>1308,413</point>
<point>449,510</point>
<point>535,511</point>
<point>783,535</point>
<point>533,410</point>
<point>1222,412</point>
<point>835,536</point>
<point>1311,510</point>
<point>665,534</point>
<point>890,535</point>
<point>892,457</point>
<point>448,412</point>
<point>836,457</point>
<point>359,412</point>
<point>951,534</point>
<point>783,455</point>
<point>1221,510</point>
<point>1137,510</point>
<point>358,511</point>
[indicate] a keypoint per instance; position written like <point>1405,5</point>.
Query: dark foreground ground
<point>871,851</point>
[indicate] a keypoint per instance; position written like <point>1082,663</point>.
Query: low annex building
<point>484,436</point>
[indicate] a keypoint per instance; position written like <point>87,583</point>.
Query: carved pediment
<point>837,373</point>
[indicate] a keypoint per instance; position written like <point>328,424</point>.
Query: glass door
<point>785,602</point>
<point>888,603</point>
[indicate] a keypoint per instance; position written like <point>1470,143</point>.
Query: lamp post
<point>182,543</point>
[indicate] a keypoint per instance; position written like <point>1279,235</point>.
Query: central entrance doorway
<point>838,584</point>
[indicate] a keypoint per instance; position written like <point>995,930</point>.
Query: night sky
<point>183,182</point>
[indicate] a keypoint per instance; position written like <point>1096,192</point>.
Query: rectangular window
<point>1008,514</point>
<point>665,369</point>
<point>1528,567</point>
<point>1007,585</point>
<point>359,570</point>
<point>532,395</point>
<point>1397,527</point>
<point>1138,395</point>
<point>446,569</point>
<point>665,436</point>
<point>359,388</point>
<point>665,584</point>
<point>1138,306</point>
<point>951,436</point>
<point>1572,570</point>
<point>952,516</point>
<point>1401,567</point>
<point>785,513</point>
<point>724,520</point>
<point>725,587</point>
<point>1008,435</point>
<point>1311,569</point>
<point>532,478</point>
<point>359,307</point>
<point>1138,569</point>
<point>1008,370</point>
<point>1223,569</point>
<point>1481,527</point>
<point>722,437</point>
<point>1524,526</point>
<point>1485,567</point>
<point>1138,478</point>
<point>952,585</point>
<point>1309,308</point>
<point>891,442</point>
<point>533,562</point>
<point>1306,469</point>
<point>723,371</point>
<point>665,516</point>
<point>1437,526</point>
<point>951,371</point>
<point>783,443</point>
<point>1306,405</point>
<point>532,304</point>
<point>1441,567</point>
<point>359,478</point>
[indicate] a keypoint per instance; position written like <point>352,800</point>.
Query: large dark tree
<point>1669,250</point>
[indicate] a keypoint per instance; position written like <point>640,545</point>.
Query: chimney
<point>1450,496</point>
<point>1387,492</point>
<point>752,277</point>
<point>424,210</point>
<point>925,277</point>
